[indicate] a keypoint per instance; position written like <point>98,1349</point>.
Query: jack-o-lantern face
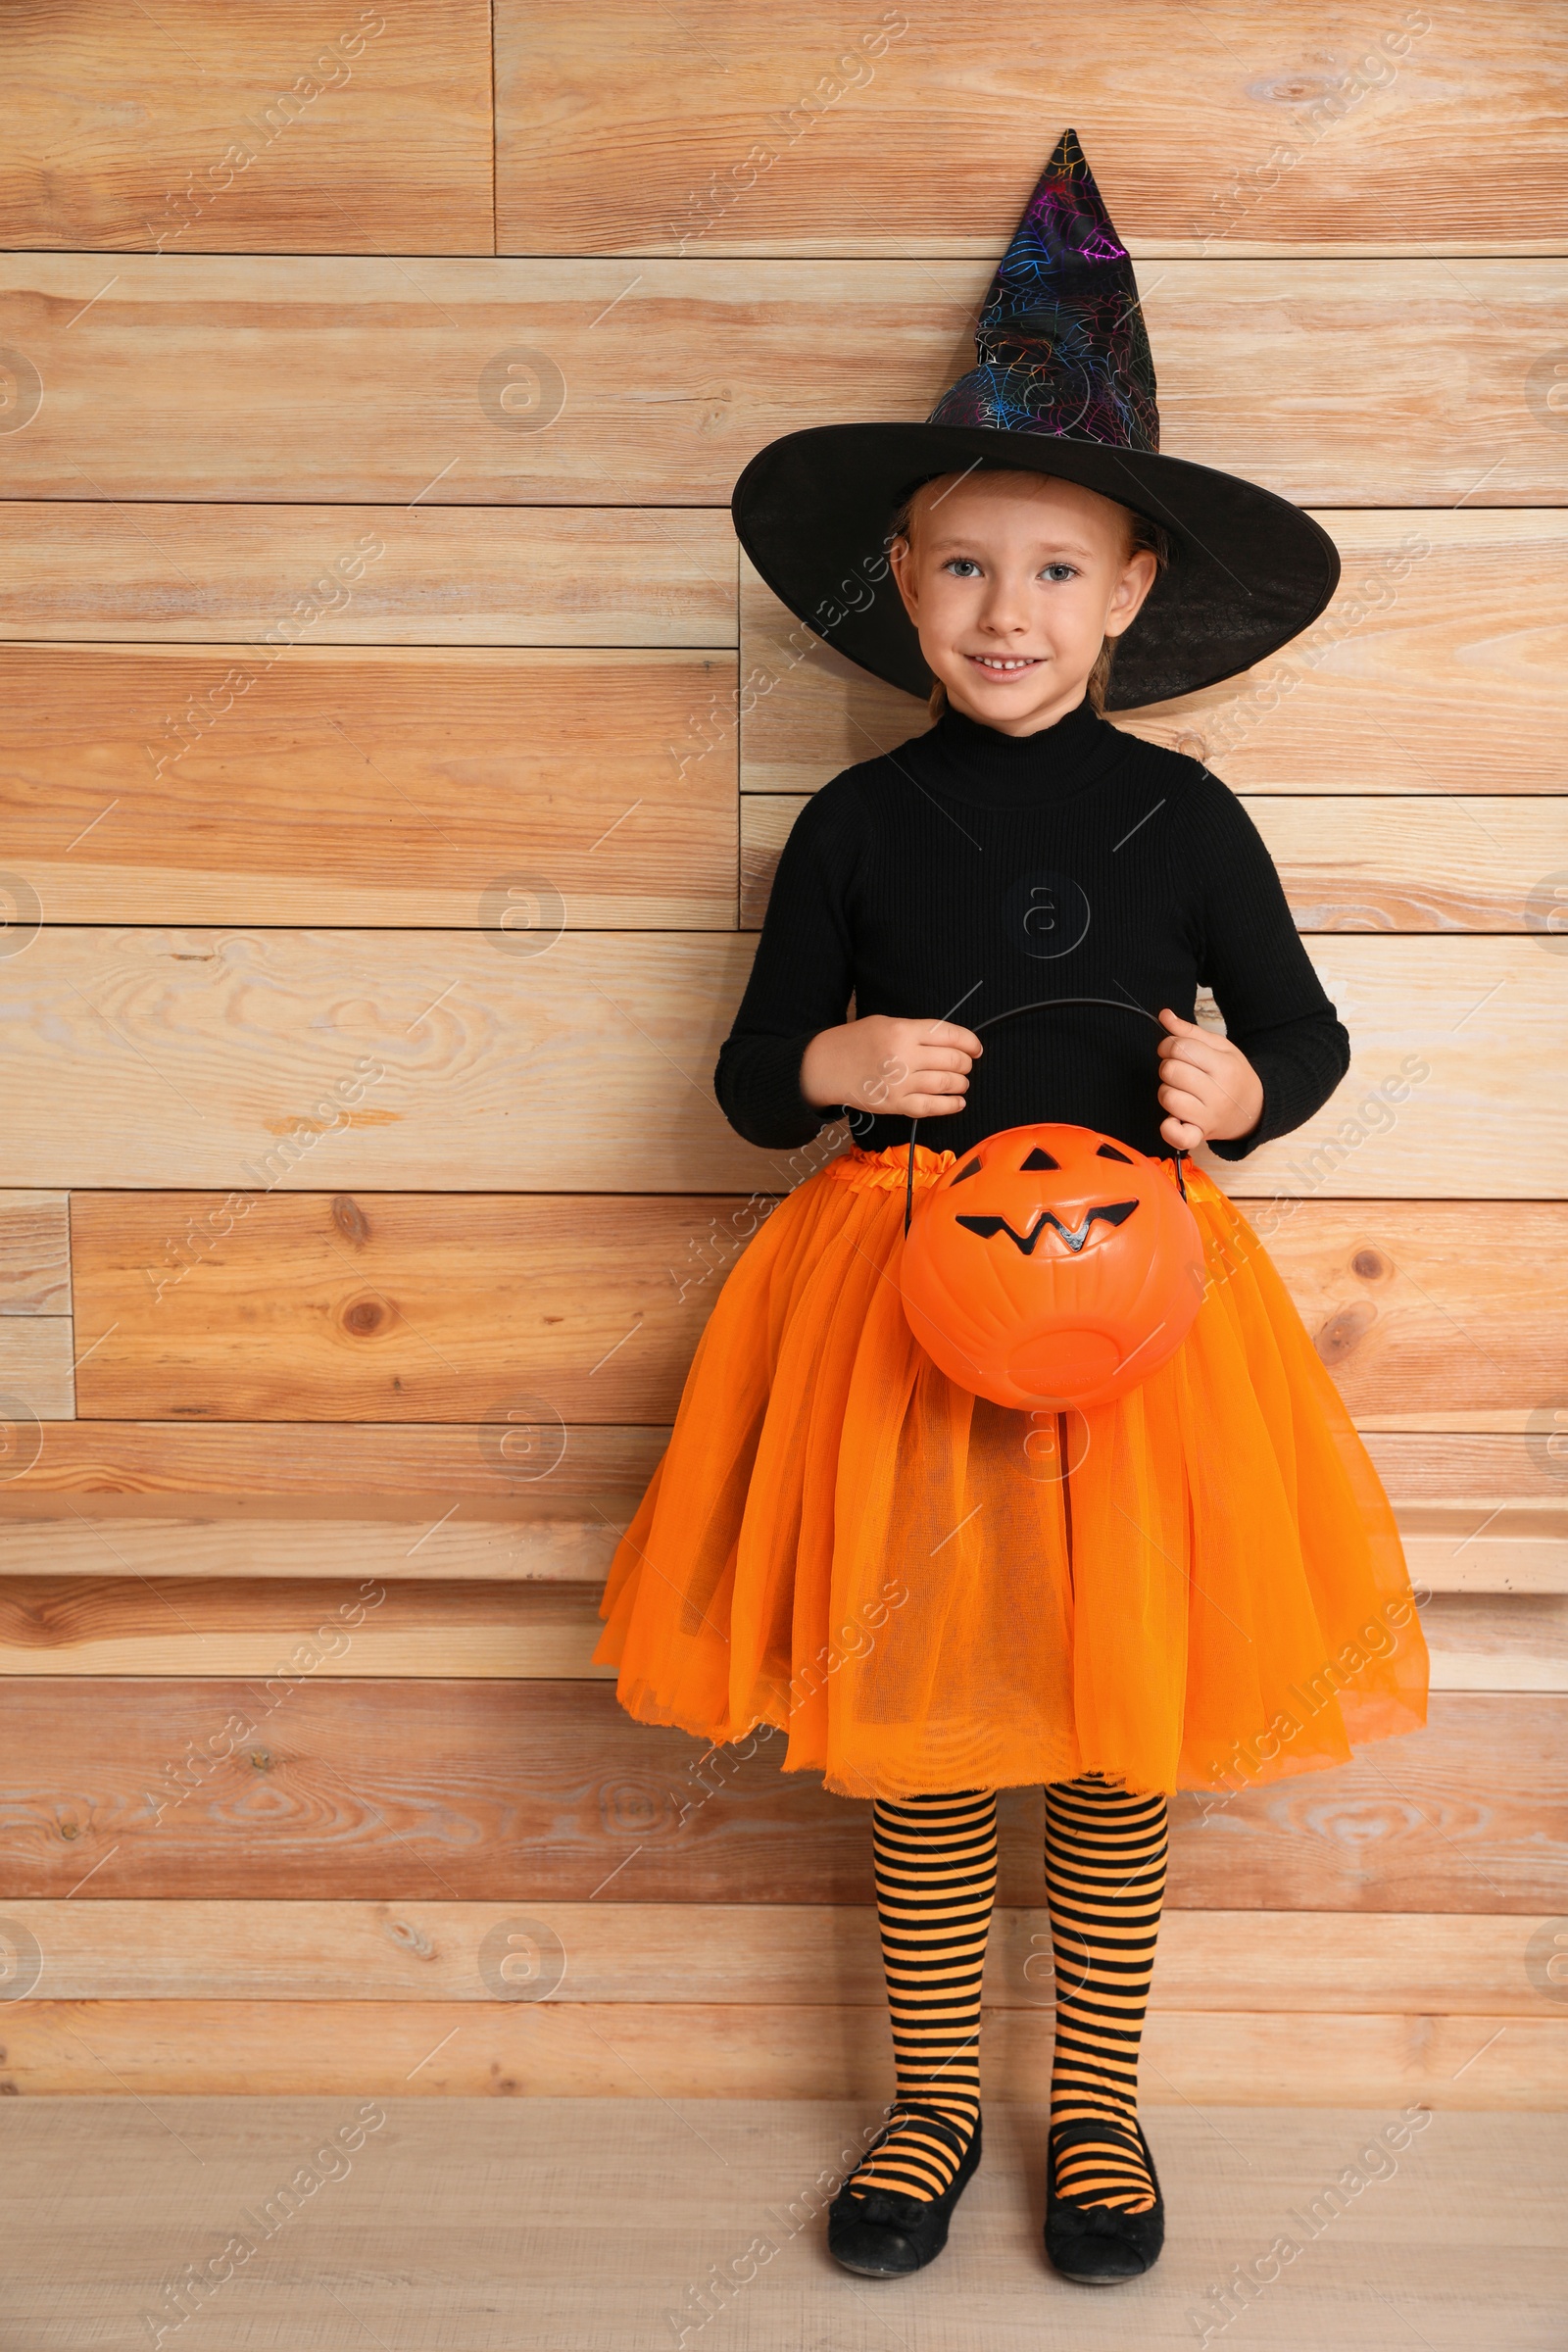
<point>1051,1266</point>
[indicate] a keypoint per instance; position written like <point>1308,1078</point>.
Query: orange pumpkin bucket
<point>1050,1265</point>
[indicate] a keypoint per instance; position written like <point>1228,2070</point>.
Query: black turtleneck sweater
<point>968,871</point>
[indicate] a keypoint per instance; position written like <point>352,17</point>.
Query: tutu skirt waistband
<point>1199,1586</point>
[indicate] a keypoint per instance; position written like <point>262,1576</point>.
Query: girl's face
<point>1013,582</point>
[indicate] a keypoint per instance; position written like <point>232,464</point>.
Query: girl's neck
<point>964,757</point>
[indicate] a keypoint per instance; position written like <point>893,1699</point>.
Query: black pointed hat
<point>1064,385</point>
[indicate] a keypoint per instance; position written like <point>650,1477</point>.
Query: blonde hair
<point>1143,537</point>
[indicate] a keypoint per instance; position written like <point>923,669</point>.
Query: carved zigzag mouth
<point>1111,1212</point>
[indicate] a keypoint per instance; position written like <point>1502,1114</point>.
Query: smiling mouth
<point>1000,666</point>
<point>1113,1212</point>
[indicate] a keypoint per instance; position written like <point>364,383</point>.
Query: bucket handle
<point>1041,1004</point>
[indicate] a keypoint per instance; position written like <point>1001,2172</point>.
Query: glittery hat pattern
<point>1060,346</point>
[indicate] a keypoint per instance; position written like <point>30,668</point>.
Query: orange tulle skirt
<point>1199,1585</point>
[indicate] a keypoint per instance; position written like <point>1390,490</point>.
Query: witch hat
<point>1064,385</point>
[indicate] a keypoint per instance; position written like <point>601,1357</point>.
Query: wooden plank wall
<point>396,756</point>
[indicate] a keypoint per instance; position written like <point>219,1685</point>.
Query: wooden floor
<point>594,2225</point>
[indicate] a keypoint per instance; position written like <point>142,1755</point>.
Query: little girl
<point>1195,1586</point>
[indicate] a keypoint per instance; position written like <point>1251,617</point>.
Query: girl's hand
<point>1207,1085</point>
<point>913,1069</point>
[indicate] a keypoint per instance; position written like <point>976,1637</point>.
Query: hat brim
<point>1248,571</point>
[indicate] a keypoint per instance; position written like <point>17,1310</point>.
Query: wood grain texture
<point>461,789</point>
<point>1436,1297</point>
<point>309,1787</point>
<point>478,2218</point>
<point>1442,1470</point>
<point>1435,667</point>
<point>1372,863</point>
<point>195,1627</point>
<point>1413,863</point>
<point>517,1463</point>
<point>1479,1642</point>
<point>527,1500</point>
<point>218,1627</point>
<point>766,822</point>
<point>1486,1548</point>
<point>193,127</point>
<point>1479,1559</point>
<point>239,1541</point>
<point>336,380</point>
<point>802,710</point>
<point>36,1382</point>
<point>834,137</point>
<point>454,1307</point>
<point>1455,1473</point>
<point>810,1955</point>
<point>586,1065</point>
<point>561,2049</point>
<point>1481,1421</point>
<point>1471,1013</point>
<point>303,1306</point>
<point>180,574</point>
<point>587,1062</point>
<point>35,1253</point>
<point>519,1498</point>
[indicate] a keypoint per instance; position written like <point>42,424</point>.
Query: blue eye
<point>1059,571</point>
<point>954,561</point>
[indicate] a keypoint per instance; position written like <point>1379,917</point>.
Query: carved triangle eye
<point>1109,1152</point>
<point>973,1169</point>
<point>1040,1159</point>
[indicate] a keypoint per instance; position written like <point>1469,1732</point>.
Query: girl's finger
<point>1189,1079</point>
<point>1203,1053</point>
<point>947,1033</point>
<point>1178,1027</point>
<point>1182,1134</point>
<point>1185,1105</point>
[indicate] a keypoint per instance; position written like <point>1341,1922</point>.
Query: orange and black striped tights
<point>936,1880</point>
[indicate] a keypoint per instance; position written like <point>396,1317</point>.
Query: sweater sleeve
<point>802,979</point>
<point>1251,955</point>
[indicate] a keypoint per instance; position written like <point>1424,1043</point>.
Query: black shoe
<point>881,2233</point>
<point>1099,2245</point>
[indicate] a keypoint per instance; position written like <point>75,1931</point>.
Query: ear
<point>1137,577</point>
<point>900,560</point>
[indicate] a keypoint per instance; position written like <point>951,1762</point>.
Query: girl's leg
<point>936,1880</point>
<point>1106,1882</point>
